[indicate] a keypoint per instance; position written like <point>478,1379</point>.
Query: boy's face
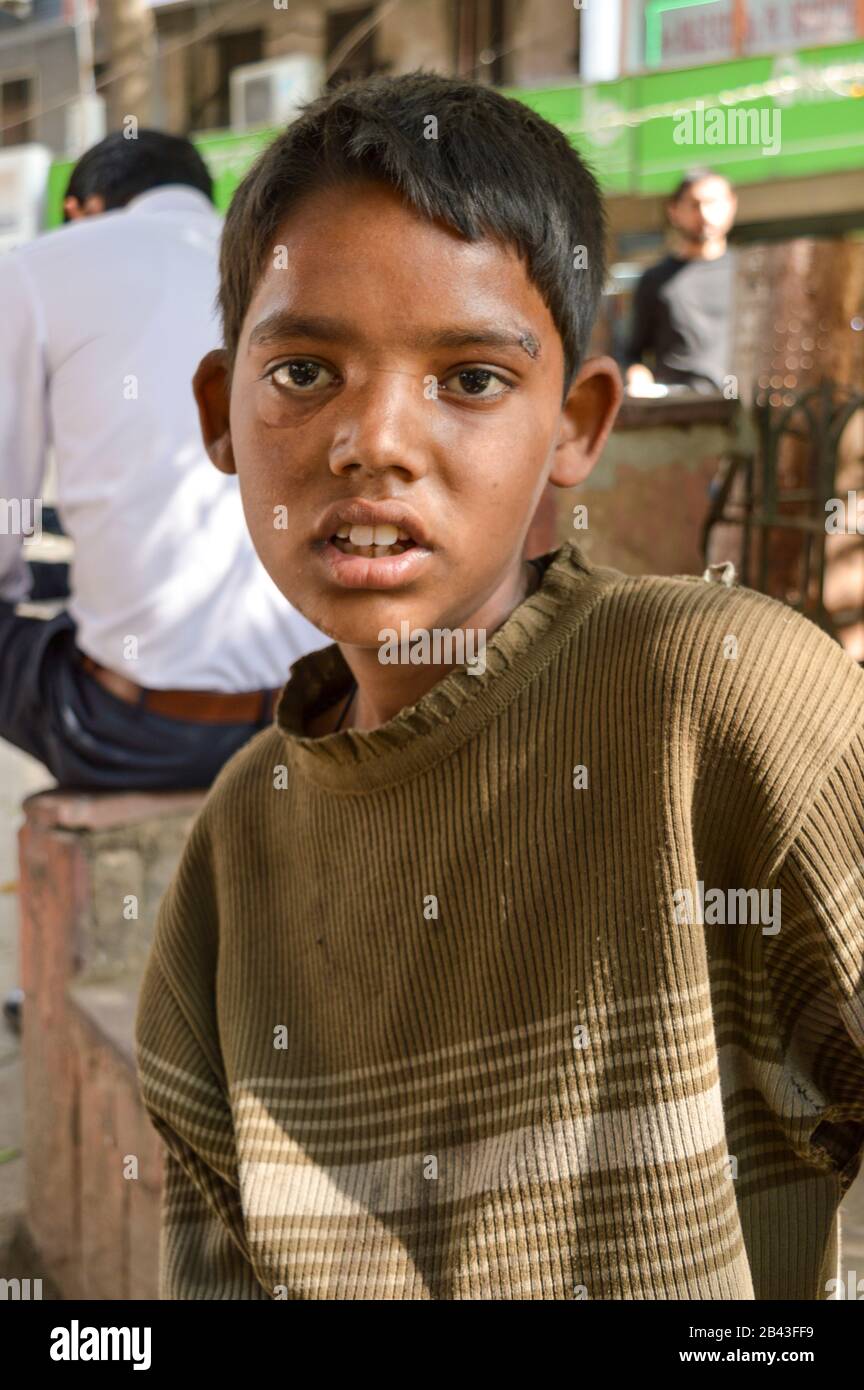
<point>385,360</point>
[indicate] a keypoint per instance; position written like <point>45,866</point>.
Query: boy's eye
<point>475,382</point>
<point>301,375</point>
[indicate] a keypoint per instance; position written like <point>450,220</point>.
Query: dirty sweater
<point>549,988</point>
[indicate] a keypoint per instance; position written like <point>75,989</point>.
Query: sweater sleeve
<point>815,970</point>
<point>204,1252</point>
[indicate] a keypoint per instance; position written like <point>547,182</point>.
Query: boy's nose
<point>383,427</point>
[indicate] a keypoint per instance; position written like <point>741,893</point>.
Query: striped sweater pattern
<point>548,988</point>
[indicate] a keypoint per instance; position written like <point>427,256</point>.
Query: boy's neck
<point>384,690</point>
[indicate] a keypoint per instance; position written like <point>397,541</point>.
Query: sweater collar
<point>452,711</point>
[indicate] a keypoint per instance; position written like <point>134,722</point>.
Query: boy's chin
<point>372,636</point>
<point>370,621</point>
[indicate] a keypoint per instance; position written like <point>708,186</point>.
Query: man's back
<point>111,316</point>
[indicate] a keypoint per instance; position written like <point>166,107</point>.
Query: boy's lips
<point>357,512</point>
<point>373,572</point>
<point>353,570</point>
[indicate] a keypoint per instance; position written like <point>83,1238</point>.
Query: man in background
<point>149,679</point>
<point>682,306</point>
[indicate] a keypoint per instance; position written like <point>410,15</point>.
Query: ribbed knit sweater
<point>428,1013</point>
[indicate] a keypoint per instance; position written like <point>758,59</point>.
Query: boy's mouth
<point>371,541</point>
<point>372,545</point>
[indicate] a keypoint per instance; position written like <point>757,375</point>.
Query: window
<point>480,40</point>
<point>234,50</point>
<point>685,33</point>
<point>355,57</point>
<point>772,26</point>
<point>16,99</point>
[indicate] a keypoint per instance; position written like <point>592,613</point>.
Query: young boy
<point>529,976</point>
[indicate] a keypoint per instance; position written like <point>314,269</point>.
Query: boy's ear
<point>210,385</point>
<point>587,417</point>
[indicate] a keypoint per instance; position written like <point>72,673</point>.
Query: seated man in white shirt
<point>175,642</point>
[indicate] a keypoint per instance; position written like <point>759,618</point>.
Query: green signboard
<point>595,120</point>
<point>761,118</point>
<point>228,157</point>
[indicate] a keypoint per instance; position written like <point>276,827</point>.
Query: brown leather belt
<point>198,706</point>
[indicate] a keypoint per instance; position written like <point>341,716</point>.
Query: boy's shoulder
<point>743,680</point>
<point>243,784</point>
<point>696,627</point>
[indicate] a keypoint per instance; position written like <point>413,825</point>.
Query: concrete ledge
<point>109,1012</point>
<point>120,1159</point>
<point>644,505</point>
<point>93,870</point>
<point>682,411</point>
<point>86,811</point>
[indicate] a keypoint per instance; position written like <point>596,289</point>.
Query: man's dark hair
<point>695,176</point>
<point>119,168</point>
<point>487,166</point>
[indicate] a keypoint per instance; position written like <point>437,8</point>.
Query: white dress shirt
<point>102,324</point>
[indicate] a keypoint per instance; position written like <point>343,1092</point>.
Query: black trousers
<point>88,738</point>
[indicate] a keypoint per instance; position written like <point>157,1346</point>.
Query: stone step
<point>93,869</point>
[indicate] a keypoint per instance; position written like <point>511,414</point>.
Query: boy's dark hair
<point>119,168</point>
<point>493,168</point>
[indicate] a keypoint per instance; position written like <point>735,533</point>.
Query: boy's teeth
<point>372,541</point>
<point>371,535</point>
<point>386,534</point>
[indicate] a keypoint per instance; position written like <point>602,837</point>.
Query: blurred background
<point>745,476</point>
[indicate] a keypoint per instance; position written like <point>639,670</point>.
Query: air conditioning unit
<point>23,179</point>
<point>271,93</point>
<point>84,124</point>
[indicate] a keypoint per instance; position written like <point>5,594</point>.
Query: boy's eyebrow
<point>482,337</point>
<point>280,325</point>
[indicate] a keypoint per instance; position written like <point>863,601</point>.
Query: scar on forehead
<point>530,344</point>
